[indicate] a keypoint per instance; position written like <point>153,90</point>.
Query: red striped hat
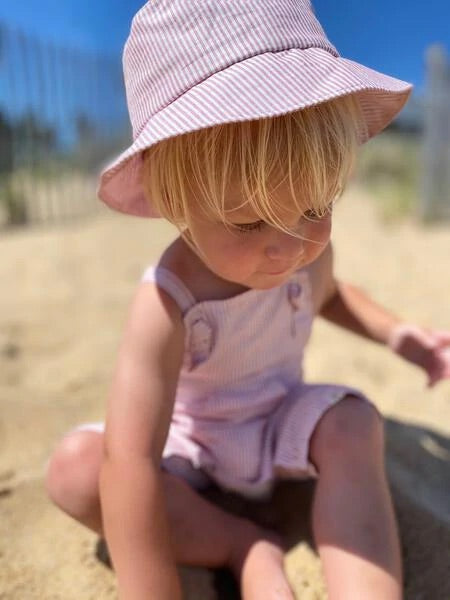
<point>191,64</point>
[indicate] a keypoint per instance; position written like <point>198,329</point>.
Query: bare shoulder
<point>182,262</point>
<point>174,258</point>
<point>154,329</point>
<point>153,310</point>
<point>321,273</point>
<point>144,381</point>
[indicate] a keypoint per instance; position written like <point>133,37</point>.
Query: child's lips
<point>279,271</point>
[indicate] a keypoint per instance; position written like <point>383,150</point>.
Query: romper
<point>243,416</point>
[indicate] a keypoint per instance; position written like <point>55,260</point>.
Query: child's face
<point>253,253</point>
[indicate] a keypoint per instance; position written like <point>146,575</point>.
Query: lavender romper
<point>243,416</point>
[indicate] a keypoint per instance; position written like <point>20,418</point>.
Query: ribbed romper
<point>243,414</point>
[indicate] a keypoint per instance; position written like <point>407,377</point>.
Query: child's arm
<point>349,307</point>
<point>138,416</point>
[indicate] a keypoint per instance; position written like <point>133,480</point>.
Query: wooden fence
<point>435,194</point>
<point>62,115</point>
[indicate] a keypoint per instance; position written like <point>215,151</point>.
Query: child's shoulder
<point>173,259</point>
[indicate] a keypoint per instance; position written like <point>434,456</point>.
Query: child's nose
<point>284,247</point>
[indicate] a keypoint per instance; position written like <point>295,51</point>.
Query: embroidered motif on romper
<point>201,342</point>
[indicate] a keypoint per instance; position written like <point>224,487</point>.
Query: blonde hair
<point>312,149</point>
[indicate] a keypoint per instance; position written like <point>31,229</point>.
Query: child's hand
<point>426,348</point>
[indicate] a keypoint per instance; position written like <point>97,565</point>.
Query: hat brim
<point>250,90</point>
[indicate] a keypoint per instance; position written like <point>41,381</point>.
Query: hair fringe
<point>313,150</point>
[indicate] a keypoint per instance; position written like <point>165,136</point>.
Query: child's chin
<point>268,281</point>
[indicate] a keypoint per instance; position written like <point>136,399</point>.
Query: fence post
<point>435,194</point>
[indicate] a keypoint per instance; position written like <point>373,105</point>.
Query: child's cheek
<point>319,234</point>
<point>239,247</point>
<point>319,231</point>
<point>237,256</point>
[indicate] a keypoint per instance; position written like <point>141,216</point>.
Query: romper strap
<point>171,284</point>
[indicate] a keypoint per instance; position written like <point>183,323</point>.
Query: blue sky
<point>387,35</point>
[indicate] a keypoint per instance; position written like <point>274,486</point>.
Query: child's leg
<point>353,518</point>
<point>202,533</point>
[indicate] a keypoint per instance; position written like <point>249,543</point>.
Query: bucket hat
<point>191,64</point>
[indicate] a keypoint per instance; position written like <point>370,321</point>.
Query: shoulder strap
<point>171,284</point>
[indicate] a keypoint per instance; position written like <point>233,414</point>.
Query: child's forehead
<point>244,212</point>
<point>236,205</point>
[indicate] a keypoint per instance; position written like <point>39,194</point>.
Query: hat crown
<point>174,44</point>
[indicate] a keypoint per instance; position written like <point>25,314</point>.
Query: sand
<point>64,295</point>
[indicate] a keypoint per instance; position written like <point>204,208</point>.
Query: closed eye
<point>313,215</point>
<point>247,227</point>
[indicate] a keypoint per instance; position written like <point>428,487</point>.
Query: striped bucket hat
<point>198,63</point>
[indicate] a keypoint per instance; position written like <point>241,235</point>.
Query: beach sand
<point>65,292</point>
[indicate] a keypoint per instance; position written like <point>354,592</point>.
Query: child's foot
<point>259,568</point>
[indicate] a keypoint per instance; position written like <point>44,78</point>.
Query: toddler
<point>246,126</point>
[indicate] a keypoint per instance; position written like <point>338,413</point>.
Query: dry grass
<point>389,165</point>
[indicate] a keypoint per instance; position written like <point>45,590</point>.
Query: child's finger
<point>442,338</point>
<point>444,356</point>
<point>433,378</point>
<point>438,372</point>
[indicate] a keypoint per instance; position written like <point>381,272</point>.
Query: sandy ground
<point>64,293</point>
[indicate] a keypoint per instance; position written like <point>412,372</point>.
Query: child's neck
<point>181,259</point>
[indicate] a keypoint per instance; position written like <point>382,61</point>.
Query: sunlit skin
<point>253,253</point>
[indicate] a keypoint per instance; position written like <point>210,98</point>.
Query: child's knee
<point>73,470</point>
<point>351,430</point>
